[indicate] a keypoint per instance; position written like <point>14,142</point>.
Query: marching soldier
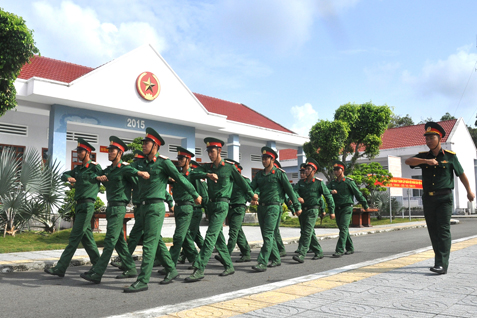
<point>310,191</point>
<point>344,190</point>
<point>271,182</point>
<point>86,190</point>
<point>278,237</point>
<point>152,211</point>
<point>438,168</point>
<point>118,192</point>
<point>222,177</point>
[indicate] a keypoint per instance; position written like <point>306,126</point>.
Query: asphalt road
<point>36,294</point>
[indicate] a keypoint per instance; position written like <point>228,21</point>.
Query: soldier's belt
<point>85,201</point>
<point>152,201</point>
<point>311,207</point>
<point>439,192</point>
<point>184,203</point>
<point>220,200</point>
<point>116,203</point>
<point>233,206</point>
<point>269,204</point>
<point>343,206</point>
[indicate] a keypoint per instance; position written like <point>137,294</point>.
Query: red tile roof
<point>52,69</point>
<point>238,112</point>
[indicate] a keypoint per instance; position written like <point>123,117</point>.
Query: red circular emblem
<point>148,85</point>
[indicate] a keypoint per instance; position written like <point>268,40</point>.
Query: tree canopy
<point>370,178</point>
<point>17,47</point>
<point>447,116</point>
<point>398,121</point>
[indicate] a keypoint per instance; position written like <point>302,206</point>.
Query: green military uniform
<point>220,193</point>
<point>152,211</point>
<point>235,216</point>
<point>271,185</point>
<point>183,213</point>
<point>347,190</point>
<point>311,192</point>
<point>278,237</point>
<point>86,191</point>
<point>118,194</point>
<point>437,198</point>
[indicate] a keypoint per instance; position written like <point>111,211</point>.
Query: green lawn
<point>40,241</point>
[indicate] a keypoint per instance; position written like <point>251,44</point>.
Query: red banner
<point>103,149</point>
<point>403,183</point>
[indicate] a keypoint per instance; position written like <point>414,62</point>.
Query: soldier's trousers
<point>268,218</point>
<point>236,234</point>
<point>343,218</point>
<point>195,227</point>
<point>438,211</point>
<point>151,218</point>
<point>307,232</point>
<point>114,240</point>
<point>182,237</point>
<point>81,232</point>
<point>214,236</point>
<point>278,236</point>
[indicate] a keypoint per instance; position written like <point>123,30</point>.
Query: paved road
<point>42,295</point>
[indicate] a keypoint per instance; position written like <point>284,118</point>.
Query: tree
<point>356,131</point>
<point>447,116</point>
<point>426,120</point>
<point>371,178</point>
<point>473,134</point>
<point>17,47</point>
<point>398,121</point>
<point>135,145</point>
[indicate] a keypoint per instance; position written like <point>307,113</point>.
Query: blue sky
<point>293,61</point>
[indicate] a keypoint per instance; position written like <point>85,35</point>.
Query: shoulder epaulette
<point>423,151</point>
<point>94,162</point>
<point>245,177</point>
<point>281,169</point>
<point>229,162</point>
<point>318,179</point>
<point>163,157</point>
<point>348,178</point>
<point>449,151</point>
<point>125,163</point>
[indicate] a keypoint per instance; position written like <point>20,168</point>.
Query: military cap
<point>312,162</point>
<point>138,154</point>
<point>302,166</point>
<point>83,144</point>
<point>152,135</point>
<point>212,142</point>
<point>115,142</point>
<point>433,128</point>
<point>236,163</point>
<point>277,164</point>
<point>194,164</point>
<point>184,152</point>
<point>338,164</point>
<point>267,151</point>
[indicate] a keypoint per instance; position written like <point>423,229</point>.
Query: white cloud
<point>304,117</point>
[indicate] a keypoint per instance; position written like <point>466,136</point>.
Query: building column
<point>272,144</point>
<point>57,137</point>
<point>233,147</point>
<point>189,141</point>
<point>301,157</point>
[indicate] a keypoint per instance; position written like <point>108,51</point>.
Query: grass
<point>40,241</point>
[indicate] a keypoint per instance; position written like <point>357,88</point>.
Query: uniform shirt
<point>272,185</point>
<point>160,169</point>
<point>227,174</point>
<point>134,182</point>
<point>201,188</point>
<point>179,193</point>
<point>86,186</point>
<point>441,176</point>
<point>347,189</point>
<point>312,191</point>
<point>239,196</point>
<point>118,186</point>
<point>169,200</point>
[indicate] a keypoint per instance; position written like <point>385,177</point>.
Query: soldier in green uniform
<point>278,237</point>
<point>118,192</point>
<point>222,176</point>
<point>183,211</point>
<point>438,168</point>
<point>235,216</point>
<point>310,191</point>
<point>152,211</point>
<point>344,190</point>
<point>86,189</point>
<point>271,182</point>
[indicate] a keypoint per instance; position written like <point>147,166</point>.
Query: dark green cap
<point>184,152</point>
<point>302,166</point>
<point>115,142</point>
<point>138,155</point>
<point>267,151</point>
<point>277,164</point>
<point>83,144</point>
<point>433,128</point>
<point>312,162</point>
<point>338,164</point>
<point>152,135</point>
<point>194,164</point>
<point>212,142</point>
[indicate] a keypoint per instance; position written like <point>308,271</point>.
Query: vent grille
<point>294,175</point>
<point>198,151</point>
<point>224,153</point>
<point>256,158</point>
<point>173,148</point>
<point>127,141</point>
<point>12,129</point>
<point>73,136</point>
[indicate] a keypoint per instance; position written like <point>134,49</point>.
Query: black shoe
<point>54,271</point>
<point>274,264</point>
<point>349,252</point>
<point>337,255</point>
<point>438,270</point>
<point>299,258</point>
<point>220,259</point>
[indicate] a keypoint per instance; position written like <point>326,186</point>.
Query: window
<point>19,150</point>
<point>75,161</point>
<point>417,192</point>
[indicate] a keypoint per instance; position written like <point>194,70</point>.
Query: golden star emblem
<point>149,85</point>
